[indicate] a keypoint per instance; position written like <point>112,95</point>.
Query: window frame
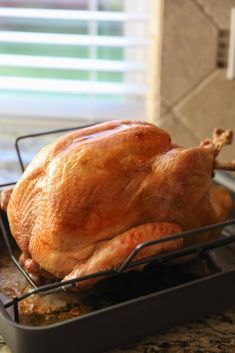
<point>37,108</point>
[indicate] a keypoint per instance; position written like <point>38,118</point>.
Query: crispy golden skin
<point>93,186</point>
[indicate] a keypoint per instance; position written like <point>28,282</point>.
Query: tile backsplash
<point>195,94</point>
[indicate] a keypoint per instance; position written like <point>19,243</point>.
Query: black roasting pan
<point>137,316</point>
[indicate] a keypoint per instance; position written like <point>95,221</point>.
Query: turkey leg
<point>113,252</point>
<point>220,139</point>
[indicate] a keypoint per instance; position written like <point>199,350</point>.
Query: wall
<point>195,94</point>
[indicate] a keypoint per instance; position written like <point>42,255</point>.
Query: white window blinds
<point>83,59</point>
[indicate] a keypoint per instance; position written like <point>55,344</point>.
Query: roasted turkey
<point>87,199</point>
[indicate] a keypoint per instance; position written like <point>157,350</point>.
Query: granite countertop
<point>213,334</point>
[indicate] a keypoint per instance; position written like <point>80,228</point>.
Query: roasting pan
<point>125,305</point>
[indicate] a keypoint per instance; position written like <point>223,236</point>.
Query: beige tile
<point>164,107</point>
<point>211,105</point>
<point>160,108</point>
<point>153,108</point>
<point>189,48</point>
<point>219,10</point>
<point>179,133</point>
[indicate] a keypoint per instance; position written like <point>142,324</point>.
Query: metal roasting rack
<point>227,237</point>
<point>128,263</point>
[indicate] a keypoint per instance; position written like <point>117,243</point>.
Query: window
<point>84,59</point>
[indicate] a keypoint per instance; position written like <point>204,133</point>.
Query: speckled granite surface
<point>215,334</point>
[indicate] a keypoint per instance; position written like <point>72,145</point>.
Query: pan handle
<point>5,313</point>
